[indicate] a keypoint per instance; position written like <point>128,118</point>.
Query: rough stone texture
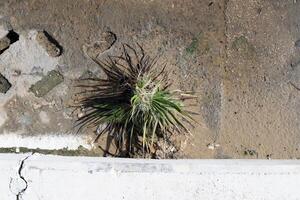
<point>242,46</point>
<point>4,26</point>
<point>49,44</point>
<point>47,83</point>
<point>3,31</point>
<point>295,75</point>
<point>297,43</point>
<point>87,75</point>
<point>4,84</point>
<point>4,44</point>
<point>239,57</point>
<point>107,40</point>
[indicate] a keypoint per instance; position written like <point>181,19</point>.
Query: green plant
<point>133,104</point>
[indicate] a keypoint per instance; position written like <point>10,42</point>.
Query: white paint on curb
<point>50,142</point>
<point>65,178</point>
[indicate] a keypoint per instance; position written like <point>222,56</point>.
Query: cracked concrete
<point>20,192</point>
<point>10,182</point>
<point>18,185</point>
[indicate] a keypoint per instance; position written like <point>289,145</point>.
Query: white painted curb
<point>85,178</point>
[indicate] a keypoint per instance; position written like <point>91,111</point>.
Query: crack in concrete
<point>19,194</point>
<point>225,25</point>
<point>224,68</point>
<point>297,88</point>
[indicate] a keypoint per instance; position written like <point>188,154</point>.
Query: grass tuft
<point>133,104</point>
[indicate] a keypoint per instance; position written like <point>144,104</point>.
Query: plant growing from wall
<point>133,104</point>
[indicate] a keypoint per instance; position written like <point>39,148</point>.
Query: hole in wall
<point>9,39</point>
<point>52,40</point>
<point>12,36</point>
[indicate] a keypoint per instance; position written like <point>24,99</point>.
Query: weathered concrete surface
<point>64,178</point>
<point>260,106</point>
<point>152,24</point>
<point>239,57</point>
<point>24,64</point>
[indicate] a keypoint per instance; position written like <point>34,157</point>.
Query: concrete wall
<point>33,177</point>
